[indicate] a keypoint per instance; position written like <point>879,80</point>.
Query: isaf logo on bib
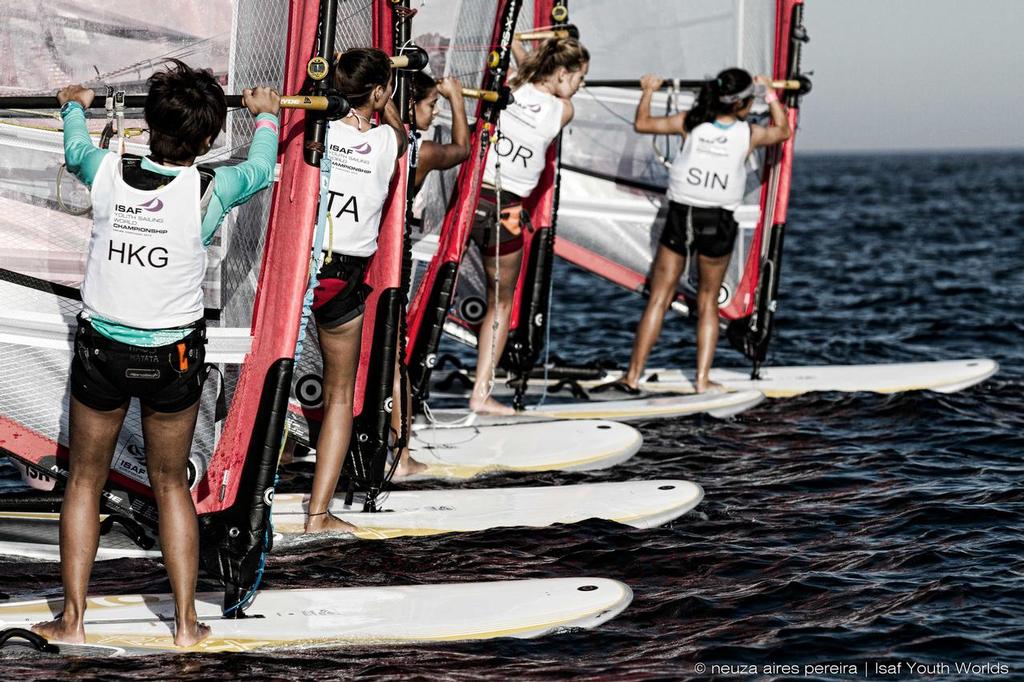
<point>137,223</point>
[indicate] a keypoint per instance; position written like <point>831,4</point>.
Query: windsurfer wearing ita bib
<point>363,158</point>
<point>706,184</point>
<point>544,83</point>
<point>141,332</point>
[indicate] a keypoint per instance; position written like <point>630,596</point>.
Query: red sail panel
<point>282,280</point>
<point>434,294</point>
<point>612,195</point>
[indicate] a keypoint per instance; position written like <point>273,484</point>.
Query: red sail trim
<point>776,176</point>
<point>540,205</point>
<point>383,275</point>
<point>28,445</point>
<point>384,272</point>
<point>283,275</point>
<point>458,219</point>
<point>595,262</point>
<point>773,202</point>
<point>784,23</point>
<point>276,311</point>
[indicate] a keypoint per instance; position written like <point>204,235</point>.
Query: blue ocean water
<point>846,530</point>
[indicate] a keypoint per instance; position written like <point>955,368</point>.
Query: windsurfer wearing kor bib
<point>141,332</point>
<point>544,83</point>
<point>363,158</point>
<point>706,184</point>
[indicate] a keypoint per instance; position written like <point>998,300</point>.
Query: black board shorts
<point>713,230</point>
<point>514,219</point>
<point>106,374</point>
<point>340,294</point>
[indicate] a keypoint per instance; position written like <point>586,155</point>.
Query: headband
<point>738,97</point>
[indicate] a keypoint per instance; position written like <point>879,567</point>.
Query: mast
<point>751,335</point>
<point>433,298</point>
<point>531,304</point>
<point>385,306</point>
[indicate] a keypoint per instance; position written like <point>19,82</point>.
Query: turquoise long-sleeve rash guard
<point>233,186</point>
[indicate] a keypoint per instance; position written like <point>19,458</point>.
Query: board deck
<point>634,409</point>
<point>405,513</point>
<point>942,376</point>
<point>305,618</point>
<point>945,376</point>
<point>461,452</point>
<point>455,451</point>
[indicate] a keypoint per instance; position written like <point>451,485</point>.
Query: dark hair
<point>185,107</point>
<point>709,104</point>
<point>358,71</point>
<point>422,86</point>
<point>551,54</point>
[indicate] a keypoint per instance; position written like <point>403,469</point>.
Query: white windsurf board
<point>329,617</point>
<point>405,513</point>
<point>942,376</point>
<point>720,405</point>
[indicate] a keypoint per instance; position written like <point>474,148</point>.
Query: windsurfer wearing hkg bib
<point>545,81</point>
<point>706,184</point>
<point>141,332</point>
<point>363,159</point>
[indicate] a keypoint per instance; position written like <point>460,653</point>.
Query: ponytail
<point>728,92</point>
<point>546,59</point>
<point>422,86</point>
<point>358,71</point>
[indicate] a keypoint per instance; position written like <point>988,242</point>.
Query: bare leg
<point>92,439</point>
<point>668,266</point>
<point>339,347</point>
<point>712,272</point>
<point>499,307</point>
<point>168,441</point>
<point>407,466</point>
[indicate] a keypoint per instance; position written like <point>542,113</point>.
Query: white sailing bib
<point>526,128</point>
<point>711,169</point>
<point>361,167</point>
<point>146,259</point>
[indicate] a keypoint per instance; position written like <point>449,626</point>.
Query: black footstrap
<point>37,642</point>
<point>617,387</point>
<point>572,386</point>
<point>134,530</point>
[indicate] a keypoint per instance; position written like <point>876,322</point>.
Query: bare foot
<point>327,523</point>
<point>190,634</point>
<point>59,630</point>
<point>707,386</point>
<point>407,466</point>
<point>490,406</point>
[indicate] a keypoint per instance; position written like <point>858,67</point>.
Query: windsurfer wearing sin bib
<point>706,184</point>
<point>141,332</point>
<point>363,159</point>
<point>545,81</point>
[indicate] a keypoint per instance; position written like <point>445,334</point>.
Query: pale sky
<point>914,74</point>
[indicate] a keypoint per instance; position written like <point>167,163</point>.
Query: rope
<point>497,270</point>
<point>268,534</point>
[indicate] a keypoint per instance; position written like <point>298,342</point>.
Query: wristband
<point>67,106</point>
<point>771,97</point>
<point>265,123</point>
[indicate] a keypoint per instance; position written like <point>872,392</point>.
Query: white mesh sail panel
<point>682,39</point>
<point>243,43</point>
